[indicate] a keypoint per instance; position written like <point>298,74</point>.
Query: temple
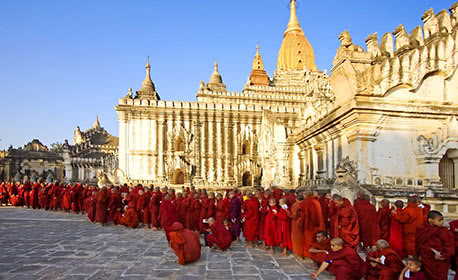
<point>386,114</point>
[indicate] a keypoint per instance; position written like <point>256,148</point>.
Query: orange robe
<point>410,218</point>
<point>101,207</point>
<point>297,229</point>
<point>345,224</point>
<point>185,243</point>
<point>430,237</point>
<point>130,218</point>
<point>313,222</point>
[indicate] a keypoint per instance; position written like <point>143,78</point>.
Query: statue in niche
<point>347,48</point>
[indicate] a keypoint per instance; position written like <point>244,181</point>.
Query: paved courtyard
<point>37,244</point>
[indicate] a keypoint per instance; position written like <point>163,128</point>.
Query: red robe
<point>384,215</point>
<point>396,241</point>
<point>283,229</point>
<point>101,207</point>
<point>392,266</point>
<point>454,232</point>
<point>220,236</point>
<point>130,218</point>
<point>430,237</point>
<point>369,225</point>
<point>251,216</point>
<point>146,209</point>
<point>221,211</point>
<point>313,222</point>
<point>211,211</point>
<point>181,211</point>
<point>346,264</point>
<point>132,199</point>
<point>270,227</point>
<point>411,217</point>
<point>203,213</point>
<point>195,214</point>
<point>264,208</point>
<point>345,224</point>
<point>324,203</point>
<point>91,204</point>
<point>113,205</point>
<point>154,205</point>
<point>185,243</point>
<point>167,215</point>
<point>140,206</point>
<point>297,229</point>
<point>324,245</point>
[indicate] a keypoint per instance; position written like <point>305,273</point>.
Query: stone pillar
<point>235,149</point>
<point>219,152</point>
<point>228,136</point>
<point>361,146</point>
<point>320,172</point>
<point>302,169</point>
<point>161,126</point>
<point>204,141</point>
<point>211,152</point>
<point>197,150</point>
<point>123,148</point>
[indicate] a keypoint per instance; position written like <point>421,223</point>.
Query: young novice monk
<point>270,227</point>
<point>412,271</point>
<point>343,262</point>
<point>284,227</point>
<point>435,245</point>
<point>320,248</point>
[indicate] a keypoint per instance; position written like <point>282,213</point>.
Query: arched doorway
<point>246,147</point>
<point>246,179</point>
<point>179,144</point>
<point>447,172</point>
<point>178,177</point>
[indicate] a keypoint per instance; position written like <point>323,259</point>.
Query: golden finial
<point>148,69</point>
<point>216,65</point>
<point>293,24</point>
<point>147,82</point>
<point>96,123</point>
<point>257,63</point>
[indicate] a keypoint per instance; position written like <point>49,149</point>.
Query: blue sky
<point>64,62</point>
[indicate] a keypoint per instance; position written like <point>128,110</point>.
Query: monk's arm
<point>402,217</point>
<point>314,251</point>
<point>346,215</point>
<point>448,241</point>
<point>322,268</point>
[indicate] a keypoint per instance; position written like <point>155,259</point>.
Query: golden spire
<point>216,67</point>
<point>258,64</point>
<point>216,81</point>
<point>147,83</point>
<point>295,53</point>
<point>258,76</point>
<point>96,123</point>
<point>293,24</point>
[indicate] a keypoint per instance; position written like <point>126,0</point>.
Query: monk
<point>284,226</point>
<point>91,205</point>
<point>383,263</point>
<point>251,219</point>
<point>345,222</point>
<point>396,241</point>
<point>195,212</point>
<point>454,232</point>
<point>369,228</point>
<point>167,214</point>
<point>410,218</point>
<point>235,215</point>
<point>313,221</point>
<point>384,216</point>
<point>297,227</point>
<point>154,204</point>
<point>130,217</point>
<point>219,238</point>
<point>101,207</point>
<point>220,209</point>
<point>185,243</point>
<point>412,271</point>
<point>140,205</point>
<point>264,205</point>
<point>211,210</point>
<point>342,261</point>
<point>270,226</point>
<point>113,204</point>
<point>435,246</point>
<point>181,213</point>
<point>320,248</point>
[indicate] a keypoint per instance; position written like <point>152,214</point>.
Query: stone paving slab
<point>39,245</point>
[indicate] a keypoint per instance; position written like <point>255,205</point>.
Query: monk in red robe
<point>211,210</point>
<point>454,232</point>
<point>344,221</point>
<point>220,238</point>
<point>320,248</point>
<point>185,243</point>
<point>270,226</point>
<point>221,209</point>
<point>91,204</point>
<point>324,203</point>
<point>113,204</point>
<point>167,214</point>
<point>284,226</point>
<point>313,221</point>
<point>384,216</point>
<point>131,198</point>
<point>264,208</point>
<point>181,211</point>
<point>130,217</point>
<point>368,219</point>
<point>297,227</point>
<point>203,201</point>
<point>101,206</point>
<point>396,241</point>
<point>140,205</point>
<point>383,263</point>
<point>250,219</point>
<point>435,245</point>
<point>154,205</point>
<point>410,218</point>
<point>343,261</point>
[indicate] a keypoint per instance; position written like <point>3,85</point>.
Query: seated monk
<point>343,261</point>
<point>412,270</point>
<point>383,263</point>
<point>130,217</point>
<point>320,248</point>
<point>185,243</point>
<point>435,246</point>
<point>219,237</point>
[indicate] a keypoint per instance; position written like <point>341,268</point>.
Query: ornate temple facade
<point>389,109</point>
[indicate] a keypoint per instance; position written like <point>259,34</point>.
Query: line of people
<point>329,231</point>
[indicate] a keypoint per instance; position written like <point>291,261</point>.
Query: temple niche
<point>388,108</point>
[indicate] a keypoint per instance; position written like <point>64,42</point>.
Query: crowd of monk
<point>399,242</point>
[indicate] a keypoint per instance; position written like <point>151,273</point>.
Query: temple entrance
<point>179,144</point>
<point>447,172</point>
<point>246,148</point>
<point>246,179</point>
<point>178,177</point>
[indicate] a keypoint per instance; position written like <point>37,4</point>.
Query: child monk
<point>130,217</point>
<point>342,261</point>
<point>185,243</point>
<point>270,226</point>
<point>320,248</point>
<point>412,270</point>
<point>284,226</point>
<point>435,245</point>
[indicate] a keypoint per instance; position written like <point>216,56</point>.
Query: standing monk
<point>264,205</point>
<point>345,222</point>
<point>396,241</point>
<point>113,204</point>
<point>435,245</point>
<point>324,203</point>
<point>313,221</point>
<point>410,218</point>
<point>384,215</point>
<point>297,227</point>
<point>235,207</point>
<point>154,204</point>
<point>101,206</point>
<point>167,214</point>
<point>251,219</point>
<point>368,220</point>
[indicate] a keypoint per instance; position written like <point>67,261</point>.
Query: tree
<point>57,147</point>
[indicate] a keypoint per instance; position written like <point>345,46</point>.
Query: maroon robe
<point>369,225</point>
<point>346,264</point>
<point>220,236</point>
<point>384,214</point>
<point>168,215</point>
<point>270,227</point>
<point>251,216</point>
<point>113,205</point>
<point>284,229</point>
<point>101,207</point>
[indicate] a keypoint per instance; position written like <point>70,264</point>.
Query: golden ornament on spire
<point>148,83</point>
<point>296,53</point>
<point>258,76</point>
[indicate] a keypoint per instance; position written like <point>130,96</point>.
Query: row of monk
<point>300,222</point>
